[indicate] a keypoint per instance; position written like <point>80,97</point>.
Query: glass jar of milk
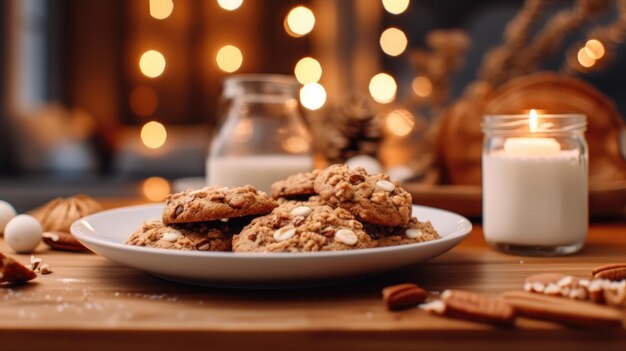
<point>262,137</point>
<point>535,175</point>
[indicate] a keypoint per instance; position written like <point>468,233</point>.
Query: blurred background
<point>118,98</point>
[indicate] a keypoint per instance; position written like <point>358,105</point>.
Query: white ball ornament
<point>6,213</point>
<point>371,165</point>
<point>400,173</point>
<point>23,233</point>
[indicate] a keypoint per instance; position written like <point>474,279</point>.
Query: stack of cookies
<point>204,219</point>
<point>337,208</point>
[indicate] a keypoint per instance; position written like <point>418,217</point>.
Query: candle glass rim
<point>548,123</point>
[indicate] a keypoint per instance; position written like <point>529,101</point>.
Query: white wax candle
<point>535,200</point>
<point>260,170</point>
<point>531,146</point>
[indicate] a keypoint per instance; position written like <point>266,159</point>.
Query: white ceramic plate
<point>105,233</point>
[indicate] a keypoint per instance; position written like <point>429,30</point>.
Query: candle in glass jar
<point>531,146</point>
<point>534,193</point>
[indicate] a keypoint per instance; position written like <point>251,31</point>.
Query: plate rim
<point>459,234</point>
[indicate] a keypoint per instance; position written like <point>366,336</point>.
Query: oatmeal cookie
<point>297,228</point>
<point>201,236</point>
<point>213,203</point>
<point>297,185</point>
<point>372,198</point>
<point>414,232</point>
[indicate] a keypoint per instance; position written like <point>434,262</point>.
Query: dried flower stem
<point>497,61</point>
<point>550,38</point>
<point>446,54</point>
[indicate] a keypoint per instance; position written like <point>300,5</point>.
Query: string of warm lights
<point>592,52</point>
<point>161,9</point>
<point>393,42</point>
<point>229,58</point>
<point>152,63</point>
<point>299,22</point>
<point>383,87</point>
<point>230,5</point>
<point>143,101</point>
<point>400,122</point>
<point>156,188</point>
<point>422,86</point>
<point>395,7</point>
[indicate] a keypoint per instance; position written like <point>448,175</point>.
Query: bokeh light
<point>229,58</point>
<point>594,49</point>
<point>308,70</point>
<point>312,96</point>
<point>584,59</point>
<point>395,7</point>
<point>161,9</point>
<point>153,135</point>
<point>230,5</point>
<point>152,63</point>
<point>143,101</point>
<point>383,88</point>
<point>422,86</point>
<point>393,41</point>
<point>156,188</point>
<point>400,122</point>
<point>300,21</point>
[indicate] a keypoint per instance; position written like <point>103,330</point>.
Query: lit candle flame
<point>533,121</point>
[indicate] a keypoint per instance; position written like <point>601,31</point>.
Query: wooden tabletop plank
<point>90,295</point>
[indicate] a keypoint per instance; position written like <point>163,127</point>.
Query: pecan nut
<point>476,307</point>
<point>563,311</point>
<point>401,296</point>
<point>14,272</point>
<point>63,241</point>
<point>614,272</point>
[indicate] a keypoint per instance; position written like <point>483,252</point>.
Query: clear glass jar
<point>535,183</point>
<point>262,137</point>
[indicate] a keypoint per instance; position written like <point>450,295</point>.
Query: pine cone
<point>352,129</point>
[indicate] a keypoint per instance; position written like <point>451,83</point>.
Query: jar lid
<point>268,85</point>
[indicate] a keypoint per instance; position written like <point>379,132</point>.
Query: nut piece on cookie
<point>297,227</point>
<point>371,198</point>
<point>201,236</point>
<point>414,232</point>
<point>295,186</point>
<point>215,203</point>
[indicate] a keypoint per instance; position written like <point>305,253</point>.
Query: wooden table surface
<point>93,304</point>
